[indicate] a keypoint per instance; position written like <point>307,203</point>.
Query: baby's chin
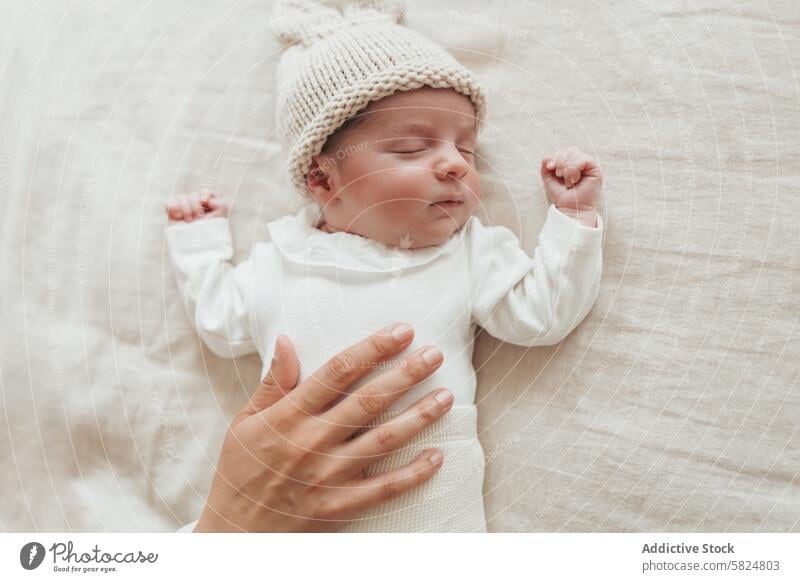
<point>430,237</point>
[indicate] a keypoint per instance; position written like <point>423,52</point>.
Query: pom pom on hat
<point>306,21</point>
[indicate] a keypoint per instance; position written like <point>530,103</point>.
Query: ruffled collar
<point>300,241</point>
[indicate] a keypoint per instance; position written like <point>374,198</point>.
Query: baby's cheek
<point>400,179</point>
<point>474,183</point>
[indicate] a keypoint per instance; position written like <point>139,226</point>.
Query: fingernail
<point>432,355</point>
<point>401,332</point>
<point>436,457</point>
<point>443,396</point>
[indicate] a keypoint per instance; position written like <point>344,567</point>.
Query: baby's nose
<point>452,165</point>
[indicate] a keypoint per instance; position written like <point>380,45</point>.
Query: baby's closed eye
<point>416,148</point>
<point>415,151</point>
<point>406,146</point>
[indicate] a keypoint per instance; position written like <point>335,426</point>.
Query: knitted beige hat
<point>341,58</point>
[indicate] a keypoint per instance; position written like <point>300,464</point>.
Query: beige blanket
<point>673,407</point>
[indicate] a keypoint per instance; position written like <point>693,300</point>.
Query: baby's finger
<point>549,180</point>
<point>590,167</point>
<point>186,208</point>
<point>197,208</point>
<point>572,175</point>
<point>575,161</point>
<point>212,202</point>
<point>217,207</point>
<point>561,166</point>
<point>561,163</point>
<point>555,159</point>
<point>172,211</point>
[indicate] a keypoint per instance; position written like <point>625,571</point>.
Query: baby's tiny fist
<point>188,207</point>
<point>572,180</point>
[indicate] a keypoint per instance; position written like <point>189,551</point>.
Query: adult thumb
<point>281,378</point>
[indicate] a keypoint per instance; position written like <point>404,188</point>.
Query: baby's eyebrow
<point>417,128</point>
<point>414,128</point>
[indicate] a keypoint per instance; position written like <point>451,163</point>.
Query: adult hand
<point>288,462</point>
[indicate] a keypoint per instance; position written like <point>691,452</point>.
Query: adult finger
<point>375,396</point>
<point>340,372</point>
<point>364,494</point>
<point>366,449</point>
<point>281,378</point>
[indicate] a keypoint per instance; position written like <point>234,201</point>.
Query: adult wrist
<point>210,522</point>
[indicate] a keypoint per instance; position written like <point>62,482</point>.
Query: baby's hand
<point>187,207</point>
<point>573,180</point>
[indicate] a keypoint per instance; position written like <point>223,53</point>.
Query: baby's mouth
<point>448,204</point>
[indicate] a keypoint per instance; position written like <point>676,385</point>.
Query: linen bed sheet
<point>673,407</point>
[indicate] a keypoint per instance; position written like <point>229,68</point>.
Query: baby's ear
<point>319,182</point>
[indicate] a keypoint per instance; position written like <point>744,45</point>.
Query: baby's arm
<point>216,294</point>
<point>540,300</point>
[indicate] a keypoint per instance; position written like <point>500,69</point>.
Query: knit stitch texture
<point>339,61</point>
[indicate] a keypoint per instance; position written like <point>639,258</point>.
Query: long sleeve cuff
<point>567,232</point>
<point>209,233</point>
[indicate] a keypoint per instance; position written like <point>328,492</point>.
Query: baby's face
<point>405,174</point>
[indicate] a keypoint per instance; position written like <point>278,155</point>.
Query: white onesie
<point>327,291</point>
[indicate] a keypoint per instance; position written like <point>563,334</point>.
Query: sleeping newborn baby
<point>383,146</point>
